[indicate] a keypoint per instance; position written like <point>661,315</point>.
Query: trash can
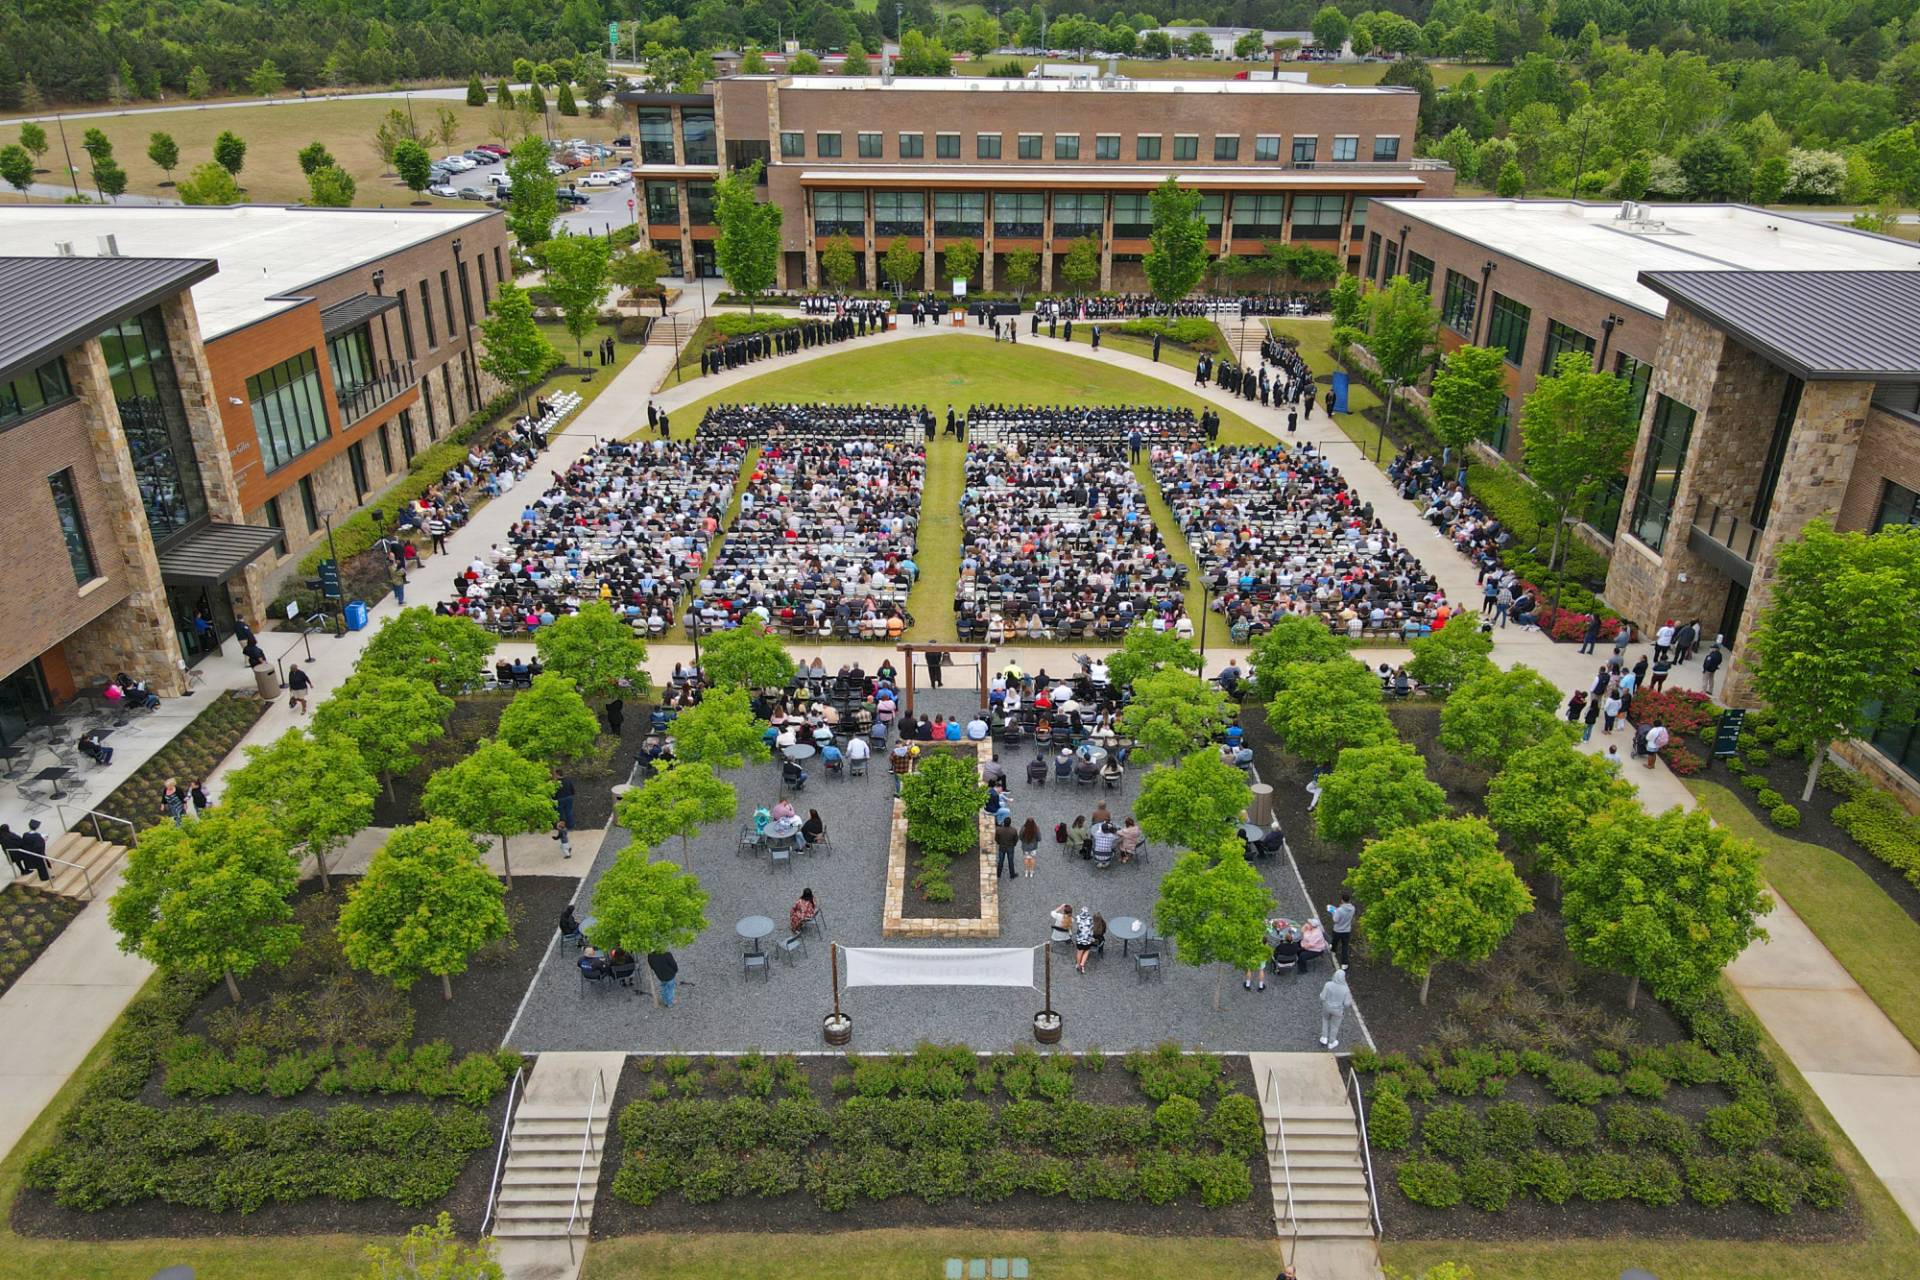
<point>267,680</point>
<point>356,613</point>
<point>1260,807</point>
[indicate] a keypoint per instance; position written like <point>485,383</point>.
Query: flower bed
<point>1569,627</point>
<point>1684,712</point>
<point>29,922</point>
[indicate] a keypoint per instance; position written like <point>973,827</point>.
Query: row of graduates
<point>732,353</point>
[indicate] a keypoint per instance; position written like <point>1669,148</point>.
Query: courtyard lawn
<point>589,391</point>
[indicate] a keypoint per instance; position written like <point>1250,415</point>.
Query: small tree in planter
<point>941,800</point>
<point>1172,713</point>
<point>642,906</point>
<point>721,731</point>
<point>318,792</point>
<point>1215,908</point>
<point>597,650</point>
<point>549,722</point>
<point>1194,804</point>
<point>1500,712</point>
<point>495,791</point>
<point>424,907</point>
<point>1143,650</point>
<point>677,801</point>
<point>1542,799</point>
<point>448,652</point>
<point>1291,638</point>
<point>1452,656</point>
<point>1374,790</point>
<point>1324,707</point>
<point>746,658</point>
<point>386,717</point>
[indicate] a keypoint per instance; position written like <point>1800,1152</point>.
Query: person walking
<point>1340,924</point>
<point>173,802</point>
<point>1663,640</point>
<point>437,529</point>
<point>197,793</point>
<point>565,837</point>
<point>1592,635</point>
<point>666,972</point>
<point>299,688</point>
<point>563,801</point>
<point>1502,602</point>
<point>1333,1008</point>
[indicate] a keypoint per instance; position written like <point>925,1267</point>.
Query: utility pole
<point>73,174</point>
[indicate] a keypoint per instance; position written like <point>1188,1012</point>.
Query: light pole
<point>1206,612</point>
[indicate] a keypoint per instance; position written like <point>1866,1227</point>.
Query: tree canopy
<point>1577,430</point>
<point>1173,712</point>
<point>494,791</point>
<point>1374,790</point>
<point>517,353</point>
<point>597,650</point>
<point>1324,707</point>
<point>941,800</point>
<point>549,721</point>
<point>1455,655</point>
<point>576,278</point>
<point>1194,804</point>
<point>1543,797</point>
<point>447,651</point>
<point>425,905</point>
<point>640,905</point>
<point>1498,713</point>
<point>385,717</point>
<point>1143,649</point>
<point>747,657</point>
<point>317,792</point>
<point>1292,638</point>
<point>1177,258</point>
<point>675,801</point>
<point>1215,907</point>
<point>1468,387</point>
<point>721,730</point>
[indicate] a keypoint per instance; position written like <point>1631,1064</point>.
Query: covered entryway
<point>196,568</point>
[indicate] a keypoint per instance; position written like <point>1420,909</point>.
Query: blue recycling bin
<point>356,614</point>
<point>1337,393</point>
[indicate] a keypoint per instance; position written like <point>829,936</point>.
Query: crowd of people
<point>1276,529</point>
<point>490,468</point>
<point>1134,306</point>
<point>723,353</point>
<point>873,310</point>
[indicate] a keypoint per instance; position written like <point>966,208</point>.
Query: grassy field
<point>623,354</point>
<point>922,1255</point>
<point>275,131</point>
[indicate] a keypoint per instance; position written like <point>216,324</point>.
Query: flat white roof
<point>1087,176</point>
<point>1123,84</point>
<point>1593,246</point>
<point>268,254</point>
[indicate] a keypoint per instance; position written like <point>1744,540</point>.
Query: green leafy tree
<point>564,103</point>
<point>1437,891</point>
<point>1511,182</point>
<point>317,792</point>
<point>266,80</point>
<point>1177,253</point>
<point>963,259</point>
<point>1022,269</point>
<point>1248,46</point>
<point>902,264</point>
<point>1154,44</point>
<point>331,188</point>
<point>385,717</point>
<point>750,658</point>
<point>1325,707</point>
<point>16,166</point>
<point>109,179</point>
<point>533,200</point>
<point>1081,267</point>
<point>495,791</point>
<point>837,262</point>
<point>1497,713</point>
<point>549,722</point>
<point>425,905</point>
<point>1541,801</point>
<point>435,1253</point>
<point>1464,404</point>
<point>164,152</point>
<point>95,143</point>
<point>641,906</point>
<point>314,157</point>
<point>198,85</point>
<point>449,652</point>
<point>856,62</point>
<point>576,276</point>
<point>805,64</point>
<point>748,247</point>
<point>1824,646</point>
<point>1454,655</point>
<point>721,730</point>
<point>752,61</point>
<point>1330,29</point>
<point>34,138</point>
<point>1671,900</point>
<point>596,650</point>
<point>638,270</point>
<point>518,354</point>
<point>1577,430</point>
<point>1770,180</point>
<point>1215,907</point>
<point>676,801</point>
<point>1402,327</point>
<point>536,99</point>
<point>1373,790</point>
<point>1143,651</point>
<point>1346,299</point>
<point>1292,638</point>
<point>942,799</point>
<point>413,164</point>
<point>208,184</point>
<point>1199,45</point>
<point>503,95</point>
<point>1194,804</point>
<point>1715,169</point>
<point>476,91</point>
<point>1172,713</point>
<point>230,152</point>
<point>212,896</point>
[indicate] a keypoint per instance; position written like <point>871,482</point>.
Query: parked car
<point>458,163</point>
<point>482,158</point>
<point>494,149</point>
<point>472,193</point>
<point>600,178</point>
<point>442,189</point>
<point>623,141</point>
<point>571,198</point>
<point>500,182</point>
<point>556,170</point>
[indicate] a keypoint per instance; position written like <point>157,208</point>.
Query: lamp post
<point>1206,612</point>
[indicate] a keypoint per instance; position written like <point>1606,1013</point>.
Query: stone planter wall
<point>895,923</point>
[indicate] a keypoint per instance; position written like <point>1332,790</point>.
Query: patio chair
<point>791,943</point>
<point>856,767</point>
<point>752,840</point>
<point>779,855</point>
<point>1146,963</point>
<point>755,961</point>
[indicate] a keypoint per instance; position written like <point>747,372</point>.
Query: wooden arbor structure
<point>980,650</point>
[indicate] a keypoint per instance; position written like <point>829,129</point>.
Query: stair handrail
<point>1280,1141</point>
<point>94,816</point>
<point>500,1156</point>
<point>586,1145</point>
<point>84,873</point>
<point>1366,1151</point>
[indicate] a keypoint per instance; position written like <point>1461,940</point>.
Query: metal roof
<point>354,312</point>
<point>54,304</point>
<point>1834,325</point>
<point>212,553</point>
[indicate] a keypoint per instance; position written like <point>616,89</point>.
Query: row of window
<point>1023,213</point>
<point>696,131</point>
<point>871,145</point>
<point>32,390</point>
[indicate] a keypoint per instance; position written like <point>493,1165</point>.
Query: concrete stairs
<point>1313,1153</point>
<point>88,858</point>
<point>1244,335</point>
<point>565,1109</point>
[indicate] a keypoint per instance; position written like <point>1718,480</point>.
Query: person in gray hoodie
<point>1333,1008</point>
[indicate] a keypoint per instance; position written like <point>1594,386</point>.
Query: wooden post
<point>833,967</point>
<point>1049,951</point>
<point>906,651</point>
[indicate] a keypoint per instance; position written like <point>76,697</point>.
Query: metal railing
<point>358,399</point>
<point>312,623</point>
<point>1366,1152</point>
<point>1738,536</point>
<point>85,874</point>
<point>1278,1146</point>
<point>500,1156</point>
<point>93,817</point>
<point>586,1148</point>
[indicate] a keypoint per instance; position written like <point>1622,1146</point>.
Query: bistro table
<point>783,828</point>
<point>1252,832</point>
<point>53,775</point>
<point>1127,929</point>
<point>798,751</point>
<point>10,754</point>
<point>754,928</point>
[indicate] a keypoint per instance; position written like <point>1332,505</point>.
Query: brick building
<point>300,360</point>
<point>1777,368</point>
<point>1022,164</point>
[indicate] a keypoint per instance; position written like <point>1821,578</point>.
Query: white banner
<point>937,966</point>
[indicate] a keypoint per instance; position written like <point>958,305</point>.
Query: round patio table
<point>783,828</point>
<point>1127,929</point>
<point>798,751</point>
<point>1251,832</point>
<point>754,928</point>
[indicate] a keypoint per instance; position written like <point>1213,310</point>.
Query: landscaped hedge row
<point>193,753</point>
<point>196,1069</point>
<point>1196,333</point>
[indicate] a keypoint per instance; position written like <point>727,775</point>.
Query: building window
<point>1304,150</point>
<point>838,211</point>
<point>1461,304</point>
<point>913,146</point>
<point>146,390</point>
<point>1019,213</point>
<point>446,300</point>
<point>309,504</point>
<point>1259,217</point>
<point>868,145</point>
<point>1132,215</point>
<point>1393,259</point>
<point>1106,146</point>
<point>1660,472</point>
<point>270,516</point>
<point>1213,209</point>
<point>407,447</point>
<point>1077,214</point>
<point>1029,146</point>
<point>1066,146</point>
<point>289,411</point>
<point>357,466</point>
<point>386,448</point>
<point>663,204</point>
<point>1373,256</point>
<point>1507,327</point>
<point>1386,150</point>
<point>1186,146</point>
<point>406,323</point>
<point>486,296</point>
<point>699,204</point>
<point>26,394</point>
<point>986,146</point>
<point>1358,218</point>
<point>793,144</point>
<point>66,504</point>
<point>826,146</point>
<point>426,309</point>
<point>499,271</point>
<point>1266,147</point>
<point>1420,270</point>
<point>899,213</point>
<point>1346,148</point>
<point>959,213</point>
<point>1898,505</point>
<point>351,355</point>
<point>696,130</point>
<point>1776,451</point>
<point>656,135</point>
<point>1561,339</point>
<point>946,146</point>
<point>1318,217</point>
<point>1146,147</point>
<point>1640,374</point>
<point>1226,146</point>
<point>1501,426</point>
<point>1897,739</point>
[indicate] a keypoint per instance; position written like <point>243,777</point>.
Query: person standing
<point>666,972</point>
<point>1340,922</point>
<point>1610,709</point>
<point>1593,633</point>
<point>1005,839</point>
<point>616,710</point>
<point>1709,665</point>
<point>33,851</point>
<point>563,801</point>
<point>935,660</point>
<point>201,800</point>
<point>173,801</point>
<point>437,529</point>
<point>1592,715</point>
<point>299,688</point>
<point>1657,738</point>
<point>1333,1008</point>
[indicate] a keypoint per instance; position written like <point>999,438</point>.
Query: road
<point>453,92</point>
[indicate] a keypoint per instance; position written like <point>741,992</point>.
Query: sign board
<point>1726,738</point>
<point>330,579</point>
<point>960,289</point>
<point>613,36</point>
<point>293,610</point>
<point>1337,393</point>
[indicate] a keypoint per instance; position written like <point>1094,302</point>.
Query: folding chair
<point>791,943</point>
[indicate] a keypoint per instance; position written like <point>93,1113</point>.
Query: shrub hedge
<point>1880,825</point>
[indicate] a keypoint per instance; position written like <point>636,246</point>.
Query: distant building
<point>1225,38</point>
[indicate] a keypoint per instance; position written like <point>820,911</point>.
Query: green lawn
<point>1313,335</point>
<point>624,352</point>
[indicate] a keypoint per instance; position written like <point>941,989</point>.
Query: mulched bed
<point>193,753</point>
<point>613,1216</point>
<point>29,922</point>
<point>476,716</point>
<point>963,874</point>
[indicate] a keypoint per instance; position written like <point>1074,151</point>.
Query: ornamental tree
<point>1080,268</point>
<point>533,200</point>
<point>16,166</point>
<point>385,717</point>
<point>901,263</point>
<point>1464,404</point>
<point>1144,650</point>
<point>941,799</point>
<point>447,651</point>
<point>517,353</point>
<point>549,722</point>
<point>495,791</point>
<point>1671,899</point>
<point>436,1253</point>
<point>1577,430</point>
<point>1402,327</point>
<point>837,262</point>
<point>230,152</point>
<point>597,650</point>
<point>1177,256</point>
<point>576,277</point>
<point>1291,638</point>
<point>1542,799</point>
<point>208,184</point>
<point>318,792</point>
<point>962,259</point>
<point>1373,790</point>
<point>1324,707</point>
<point>313,157</point>
<point>1215,907</point>
<point>747,657</point>
<point>424,907</point>
<point>1455,655</point>
<point>1837,635</point>
<point>1172,713</point>
<point>330,188</point>
<point>1437,891</point>
<point>1194,804</point>
<point>1022,269</point>
<point>211,895</point>
<point>642,906</point>
<point>676,801</point>
<point>721,730</point>
<point>164,152</point>
<point>1500,712</point>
